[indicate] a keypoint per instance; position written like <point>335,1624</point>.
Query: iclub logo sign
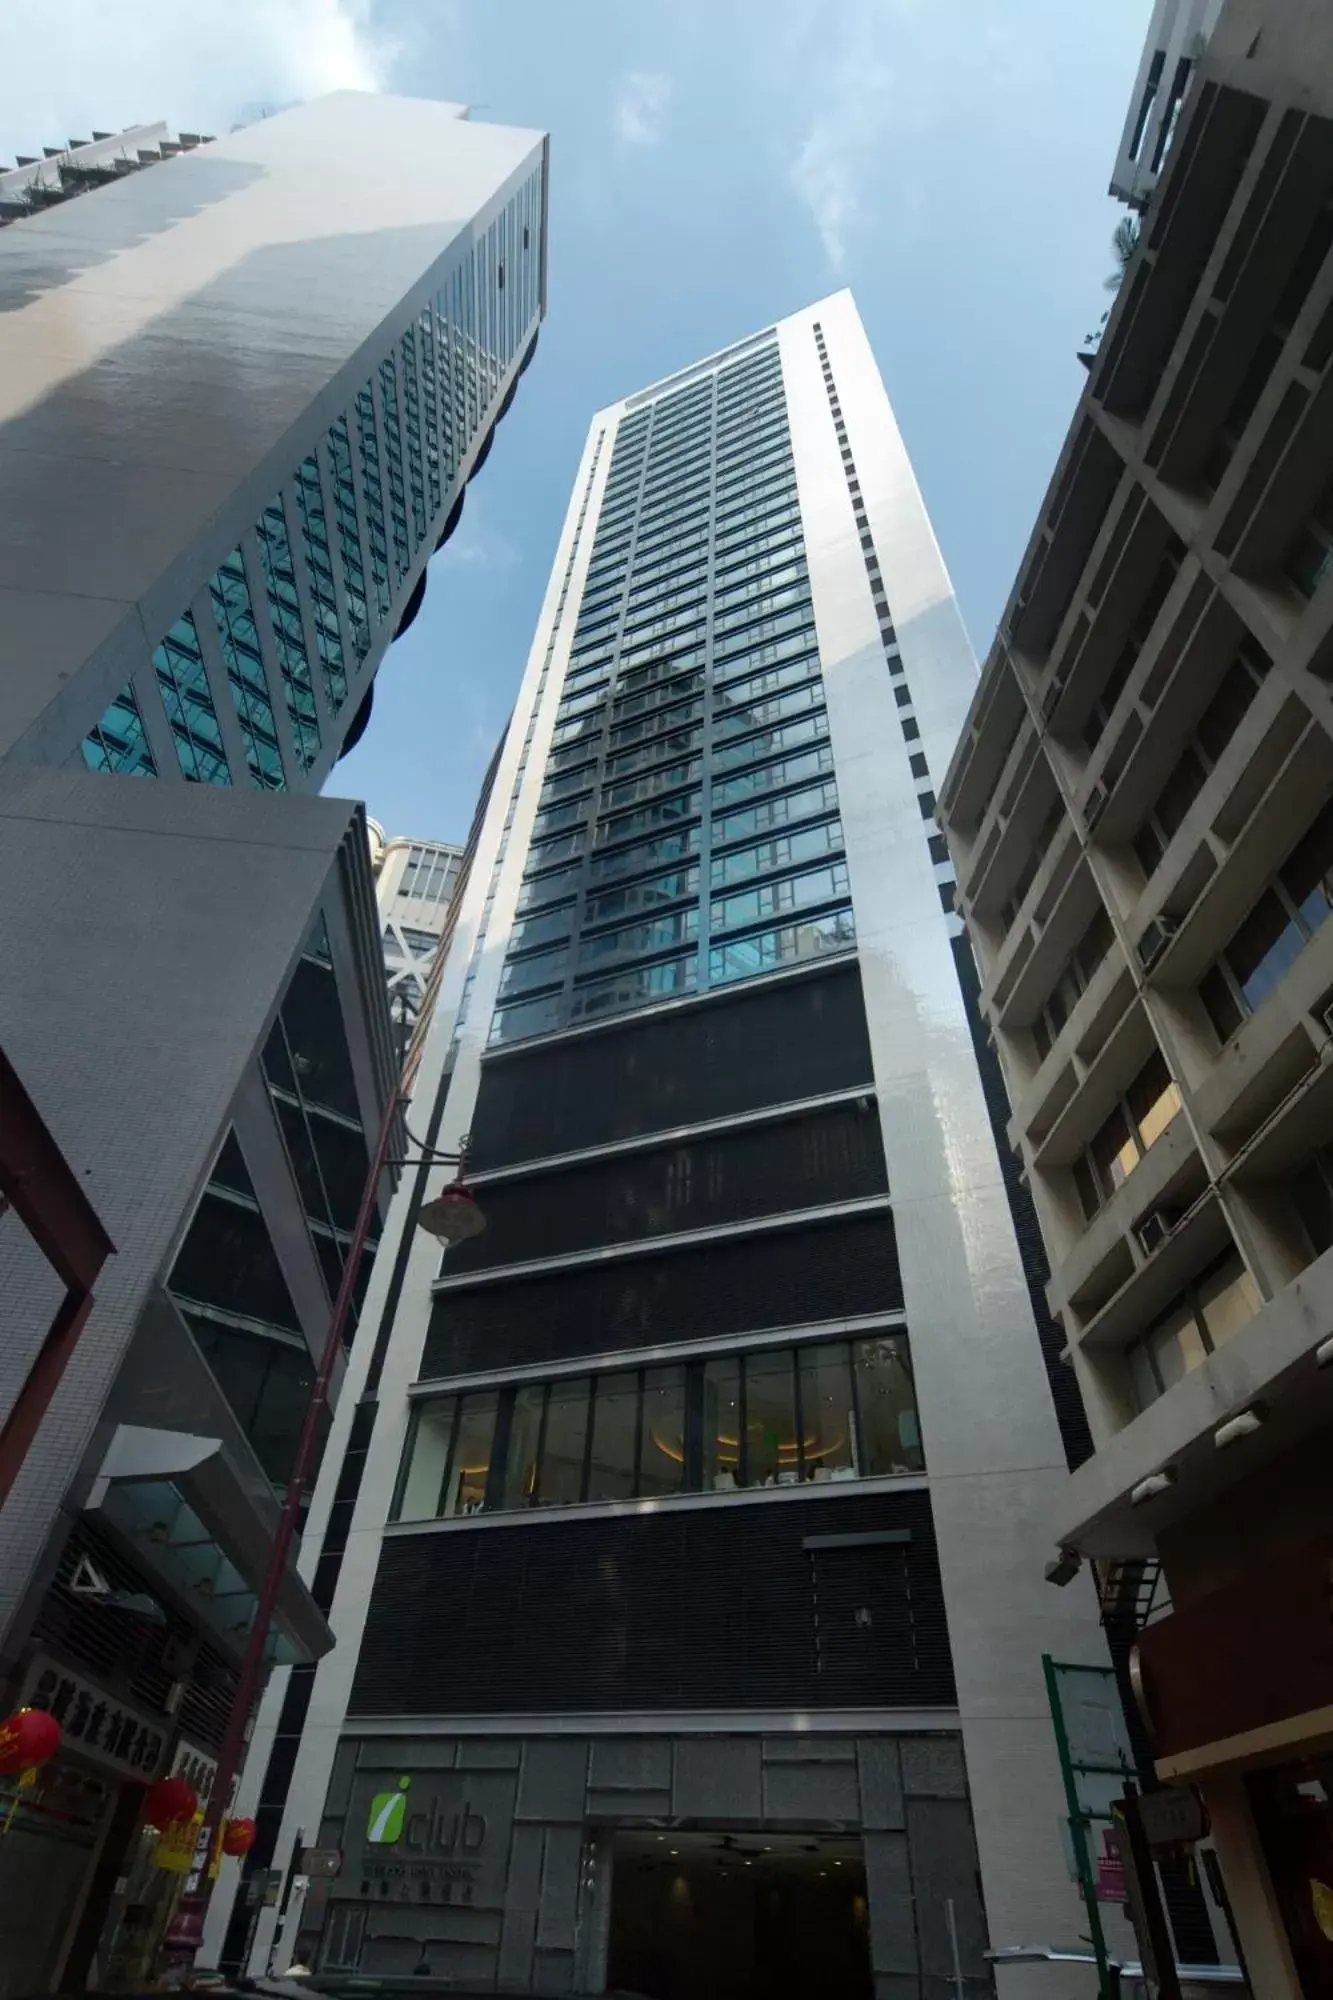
<point>388,1810</point>
<point>431,1830</point>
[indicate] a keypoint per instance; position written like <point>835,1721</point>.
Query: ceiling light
<point>1238,1427</point>
<point>1149,1488</point>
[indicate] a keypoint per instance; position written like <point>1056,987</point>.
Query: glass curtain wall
<point>690,763</point>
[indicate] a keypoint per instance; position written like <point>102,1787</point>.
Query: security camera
<point>1065,1567</point>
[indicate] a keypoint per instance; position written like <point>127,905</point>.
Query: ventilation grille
<point>790,1277</point>
<point>836,1154</point>
<point>718,1059</point>
<point>704,1608</point>
<point>125,1653</point>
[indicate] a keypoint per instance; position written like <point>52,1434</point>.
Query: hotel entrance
<point>738,1916</point>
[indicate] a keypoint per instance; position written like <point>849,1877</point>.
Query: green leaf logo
<point>387,1812</point>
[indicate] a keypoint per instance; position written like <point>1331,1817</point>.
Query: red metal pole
<point>190,1922</point>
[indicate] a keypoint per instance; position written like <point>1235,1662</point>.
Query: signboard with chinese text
<point>95,1724</point>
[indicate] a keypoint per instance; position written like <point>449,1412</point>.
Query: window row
<point>643,985</point>
<point>1293,907</point>
<point>806,1415</point>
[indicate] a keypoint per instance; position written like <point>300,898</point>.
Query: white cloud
<point>640,107</point>
<point>896,70</point>
<point>201,64</point>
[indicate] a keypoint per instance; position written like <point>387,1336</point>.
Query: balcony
<point>1168,1180</point>
<point>1270,1361</point>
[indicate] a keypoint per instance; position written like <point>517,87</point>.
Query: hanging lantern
<point>239,1836</point>
<point>27,1738</point>
<point>169,1802</point>
<point>453,1216</point>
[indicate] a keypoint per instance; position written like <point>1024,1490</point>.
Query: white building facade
<point>694,1545</point>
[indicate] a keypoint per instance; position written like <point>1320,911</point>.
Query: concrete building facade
<point>693,1530</point>
<point>1141,816</point>
<point>1173,47</point>
<point>415,882</point>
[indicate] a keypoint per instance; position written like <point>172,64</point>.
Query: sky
<point>714,165</point>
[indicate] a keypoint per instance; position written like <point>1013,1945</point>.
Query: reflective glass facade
<point>820,1412</point>
<point>691,724</point>
<point>337,547</point>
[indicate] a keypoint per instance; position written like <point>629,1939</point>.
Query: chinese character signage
<point>97,1725</point>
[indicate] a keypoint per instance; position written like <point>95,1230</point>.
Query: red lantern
<point>170,1801</point>
<point>238,1836</point>
<point>27,1738</point>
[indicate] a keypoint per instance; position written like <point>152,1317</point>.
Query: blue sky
<point>714,164</point>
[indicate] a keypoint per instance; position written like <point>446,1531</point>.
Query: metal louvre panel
<point>1069,1412</point>
<point>724,1057</point>
<point>126,1654</point>
<point>790,1277</point>
<point>835,1154</point>
<point>698,1609</point>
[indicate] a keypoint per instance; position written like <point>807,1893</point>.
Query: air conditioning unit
<point>1155,938</point>
<point>1154,1229</point>
<point>1095,806</point>
<point>1050,701</point>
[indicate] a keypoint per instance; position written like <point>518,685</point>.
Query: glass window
<point>773,777</point>
<point>675,927</point>
<point>615,1436</point>
<point>1307,875</point>
<point>427,1460</point>
<point>888,1434</point>
<point>772,1455</point>
<point>525,1433</point>
<point>1153,1101</point>
<point>764,952</point>
<point>469,1468</point>
<point>1228,1299</point>
<point>117,741</point>
<point>1175,1344</point>
<point>1266,945</point>
<point>319,577</point>
<point>746,862</point>
<point>804,804</point>
<point>530,1017</point>
<point>828,1442</point>
<point>644,854</point>
<point>635,986</point>
<point>662,1444</point>
<point>239,639</point>
<point>285,621</point>
<point>1114,1151</point>
<point>1220,1003</point>
<point>543,968</point>
<point>792,892</point>
<point>721,1421</point>
<point>188,701</point>
<point>564,1443</point>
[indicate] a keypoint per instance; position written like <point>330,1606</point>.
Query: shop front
<point>1236,1688</point>
<point>685,1866</point>
<point>133,1654</point>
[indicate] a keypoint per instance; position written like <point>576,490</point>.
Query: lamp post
<point>451,1217</point>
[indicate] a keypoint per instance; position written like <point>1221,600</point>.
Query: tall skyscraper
<point>690,1529</point>
<point>241,395</point>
